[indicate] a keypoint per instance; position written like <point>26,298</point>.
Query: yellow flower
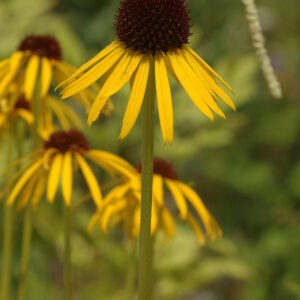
<point>38,56</point>
<point>150,31</point>
<point>62,152</point>
<point>10,111</point>
<point>123,204</point>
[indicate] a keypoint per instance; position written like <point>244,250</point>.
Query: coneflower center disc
<point>72,140</point>
<point>161,167</point>
<point>42,45</point>
<point>149,26</point>
<point>22,103</point>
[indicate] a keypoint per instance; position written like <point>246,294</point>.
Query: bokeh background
<point>247,168</point>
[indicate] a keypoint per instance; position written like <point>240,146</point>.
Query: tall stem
<point>27,226</point>
<point>145,254</point>
<point>7,237</point>
<point>67,253</point>
<point>26,244</point>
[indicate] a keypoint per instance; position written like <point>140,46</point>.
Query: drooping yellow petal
<point>96,109</point>
<point>188,84</point>
<point>15,63</point>
<point>208,68</point>
<point>26,115</point>
<point>168,223</point>
<point>93,74</point>
<point>57,109</point>
<point>208,78</point>
<point>197,229</point>
<point>91,62</point>
<point>120,74</point>
<point>199,206</point>
<point>67,178</point>
<point>22,181</point>
<point>178,197</point>
<point>27,191</point>
<point>112,163</point>
<point>116,193</point>
<point>54,176</point>
<point>136,96</point>
<point>154,218</point>
<point>31,75</point>
<point>205,94</point>
<point>90,180</point>
<point>164,99</point>
<point>39,190</point>
<point>110,211</point>
<point>46,76</point>
<point>158,191</point>
<point>95,218</point>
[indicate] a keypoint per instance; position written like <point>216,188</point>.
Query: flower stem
<point>145,253</point>
<point>26,244</point>
<point>7,251</point>
<point>27,225</point>
<point>67,253</point>
<point>7,236</point>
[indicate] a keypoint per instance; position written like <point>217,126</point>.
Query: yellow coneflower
<point>38,55</point>
<point>11,111</point>
<point>63,151</point>
<point>150,31</point>
<point>123,204</point>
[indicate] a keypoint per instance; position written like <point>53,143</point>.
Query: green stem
<point>26,245</point>
<point>145,254</point>
<point>7,251</point>
<point>67,253</point>
<point>7,237</point>
<point>27,225</point>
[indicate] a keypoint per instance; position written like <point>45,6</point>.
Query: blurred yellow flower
<point>123,204</point>
<point>64,151</point>
<point>41,56</point>
<point>156,32</point>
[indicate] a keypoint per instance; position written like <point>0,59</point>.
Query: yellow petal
<point>203,85</point>
<point>46,76</point>
<point>120,74</point>
<point>30,76</point>
<point>178,197</point>
<point>164,99</point>
<point>39,190</point>
<point>199,206</point>
<point>96,109</point>
<point>197,229</point>
<point>208,68</point>
<point>158,190</point>
<point>59,113</point>
<point>54,176</point>
<point>26,115</point>
<point>109,212</point>
<point>91,62</point>
<point>95,218</point>
<point>27,191</point>
<point>67,178</point>
<point>168,223</point>
<point>22,181</point>
<point>93,74</point>
<point>188,83</point>
<point>112,162</point>
<point>207,78</point>
<point>136,96</point>
<point>15,63</point>
<point>90,180</point>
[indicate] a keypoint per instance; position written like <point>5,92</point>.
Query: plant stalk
<point>8,230</point>
<point>145,249</point>
<point>68,253</point>
<point>27,227</point>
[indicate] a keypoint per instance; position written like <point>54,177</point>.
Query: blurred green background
<point>247,169</point>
